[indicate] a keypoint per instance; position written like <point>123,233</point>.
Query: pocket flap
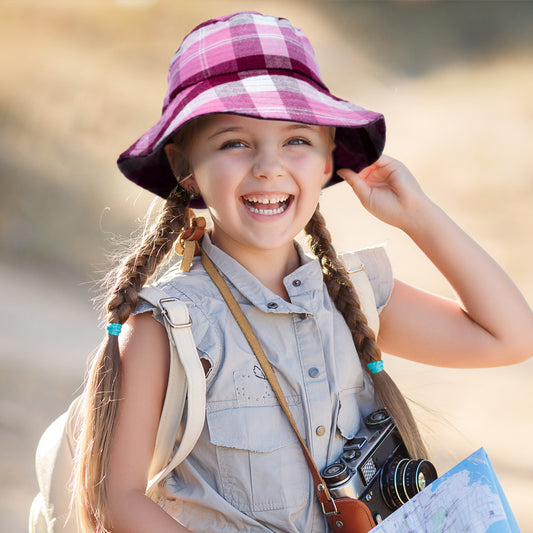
<point>261,428</point>
<point>349,415</point>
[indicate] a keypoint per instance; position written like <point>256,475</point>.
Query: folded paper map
<point>467,499</point>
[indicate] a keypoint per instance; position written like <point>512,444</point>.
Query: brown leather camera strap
<point>324,496</point>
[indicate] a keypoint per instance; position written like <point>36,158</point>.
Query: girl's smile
<point>267,206</point>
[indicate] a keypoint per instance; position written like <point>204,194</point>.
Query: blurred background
<point>81,80</point>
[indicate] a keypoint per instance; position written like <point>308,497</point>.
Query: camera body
<point>375,468</point>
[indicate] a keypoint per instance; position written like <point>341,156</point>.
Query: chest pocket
<point>261,465</point>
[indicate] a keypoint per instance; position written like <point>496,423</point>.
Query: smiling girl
<point>250,131</point>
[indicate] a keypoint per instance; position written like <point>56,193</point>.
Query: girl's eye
<point>297,141</point>
<point>233,144</point>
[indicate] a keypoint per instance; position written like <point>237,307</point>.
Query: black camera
<point>376,469</point>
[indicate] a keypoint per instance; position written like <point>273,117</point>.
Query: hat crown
<point>240,43</point>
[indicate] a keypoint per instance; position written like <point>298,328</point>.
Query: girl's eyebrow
<point>290,126</point>
<point>302,125</point>
<point>227,129</point>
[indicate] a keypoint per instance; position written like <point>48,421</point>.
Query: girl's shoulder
<point>191,287</point>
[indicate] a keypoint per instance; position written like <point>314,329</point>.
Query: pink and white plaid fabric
<point>258,66</point>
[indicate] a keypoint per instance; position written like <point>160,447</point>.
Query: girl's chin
<point>254,242</point>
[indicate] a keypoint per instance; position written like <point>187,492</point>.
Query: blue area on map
<point>466,499</point>
<point>500,527</point>
<point>480,470</point>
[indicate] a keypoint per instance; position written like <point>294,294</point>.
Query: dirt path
<point>47,330</point>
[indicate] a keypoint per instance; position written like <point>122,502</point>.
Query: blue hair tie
<point>114,329</point>
<point>375,366</point>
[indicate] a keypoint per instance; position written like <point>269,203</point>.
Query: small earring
<point>190,190</point>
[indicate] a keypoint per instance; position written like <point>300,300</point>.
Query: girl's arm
<point>145,357</point>
<point>491,324</point>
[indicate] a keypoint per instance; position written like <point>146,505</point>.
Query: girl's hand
<point>490,325</point>
<point>387,190</point>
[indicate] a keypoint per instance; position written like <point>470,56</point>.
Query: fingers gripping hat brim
<point>255,66</point>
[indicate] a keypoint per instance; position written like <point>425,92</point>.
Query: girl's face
<point>260,179</point>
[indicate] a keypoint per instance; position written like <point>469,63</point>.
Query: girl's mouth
<point>262,205</point>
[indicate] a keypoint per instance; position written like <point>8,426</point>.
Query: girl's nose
<point>268,164</point>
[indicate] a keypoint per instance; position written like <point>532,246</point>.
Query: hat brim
<point>360,133</point>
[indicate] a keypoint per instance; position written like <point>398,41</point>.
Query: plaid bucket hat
<point>257,66</point>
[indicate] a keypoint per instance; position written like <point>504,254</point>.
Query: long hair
<point>102,389</point>
<point>344,296</point>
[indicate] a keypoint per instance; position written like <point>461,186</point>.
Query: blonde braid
<point>103,384</point>
<point>347,302</point>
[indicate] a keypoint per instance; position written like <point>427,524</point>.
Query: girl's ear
<point>330,164</point>
<point>175,158</point>
<point>180,169</point>
<point>328,170</point>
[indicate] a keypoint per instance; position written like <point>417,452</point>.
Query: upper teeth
<point>262,200</point>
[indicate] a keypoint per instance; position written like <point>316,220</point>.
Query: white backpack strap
<point>357,272</point>
<point>186,386</point>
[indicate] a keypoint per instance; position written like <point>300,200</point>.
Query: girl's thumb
<point>357,183</point>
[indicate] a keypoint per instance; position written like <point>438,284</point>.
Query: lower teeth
<point>267,211</point>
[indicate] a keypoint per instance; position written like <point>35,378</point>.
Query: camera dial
<point>378,419</point>
<point>335,474</point>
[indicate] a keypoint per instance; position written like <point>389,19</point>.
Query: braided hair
<point>344,296</point>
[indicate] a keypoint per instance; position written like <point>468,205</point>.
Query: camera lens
<point>389,482</point>
<point>335,474</point>
<point>402,478</point>
<point>417,475</point>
